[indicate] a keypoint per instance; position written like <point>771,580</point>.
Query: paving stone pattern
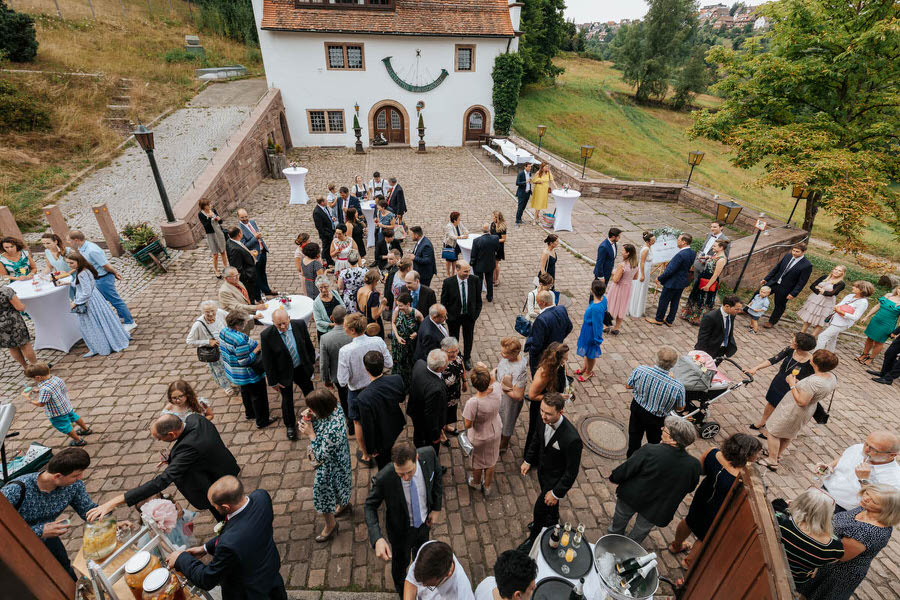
<point>120,394</point>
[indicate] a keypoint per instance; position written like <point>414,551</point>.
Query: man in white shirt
<point>436,574</point>
<point>352,372</point>
<point>871,462</point>
<point>378,187</point>
<point>514,578</point>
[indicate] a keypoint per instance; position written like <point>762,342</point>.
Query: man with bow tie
<point>557,454</point>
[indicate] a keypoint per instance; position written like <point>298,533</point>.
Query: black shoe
<point>883,380</point>
<point>291,433</point>
<point>468,365</point>
<point>443,470</point>
<point>754,427</point>
<point>873,372</point>
<point>269,422</point>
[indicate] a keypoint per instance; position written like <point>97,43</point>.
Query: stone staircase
<point>117,111</point>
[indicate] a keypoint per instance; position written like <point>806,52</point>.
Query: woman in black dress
<point>370,301</point>
<point>357,229</point>
<point>498,228</point>
<point>795,357</point>
<point>548,257</point>
<point>720,468</point>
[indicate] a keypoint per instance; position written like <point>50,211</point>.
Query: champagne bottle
<point>554,537</point>
<point>631,565</point>
<point>577,592</point>
<point>638,575</point>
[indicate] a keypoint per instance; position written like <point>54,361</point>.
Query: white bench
<point>504,162</point>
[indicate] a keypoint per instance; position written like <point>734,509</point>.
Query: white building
<point>387,57</point>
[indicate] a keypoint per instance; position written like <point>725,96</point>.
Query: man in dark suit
<point>427,404</point>
<point>523,191</point>
<point>252,238</point>
<point>432,332</point>
<point>551,325</point>
<point>197,459</point>
<point>386,243</point>
<point>396,198</point>
<point>242,259</point>
<point>461,295</point>
<point>890,368</point>
<point>289,357</point>
<point>556,451</point>
<point>392,266</point>
<point>423,255</point>
<point>412,491</point>
<point>325,227</point>
<point>716,335</point>
<point>606,255</point>
<point>379,410</point>
<point>484,258</point>
<point>787,279</point>
<point>245,561</point>
<point>423,297</point>
<point>675,278</point>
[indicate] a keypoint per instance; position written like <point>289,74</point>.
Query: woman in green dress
<point>406,327</point>
<point>883,321</point>
<point>16,259</point>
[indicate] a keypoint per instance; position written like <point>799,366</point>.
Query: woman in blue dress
<point>591,336</point>
<point>101,329</point>
<point>55,254</point>
<point>323,423</point>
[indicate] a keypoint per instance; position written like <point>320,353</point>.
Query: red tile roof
<point>466,18</point>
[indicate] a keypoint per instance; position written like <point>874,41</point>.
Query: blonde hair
<point>814,509</point>
<point>889,498</point>
<point>511,345</point>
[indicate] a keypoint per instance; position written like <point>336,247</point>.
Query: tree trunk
<point>812,207</point>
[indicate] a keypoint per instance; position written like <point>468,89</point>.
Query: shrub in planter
<point>138,236</point>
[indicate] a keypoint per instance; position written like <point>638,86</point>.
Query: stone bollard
<point>57,221</point>
<point>8,225</point>
<point>108,229</point>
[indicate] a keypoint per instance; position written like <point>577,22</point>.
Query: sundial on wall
<point>413,77</point>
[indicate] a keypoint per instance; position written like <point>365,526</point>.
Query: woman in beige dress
<point>799,404</point>
<point>483,427</point>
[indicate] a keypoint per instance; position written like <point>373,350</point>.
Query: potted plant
<point>138,236</point>
<point>275,158</point>
<point>357,131</point>
<point>421,129</point>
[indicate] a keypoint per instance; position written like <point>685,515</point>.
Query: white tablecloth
<point>514,153</point>
<point>465,247</point>
<point>297,179</point>
<point>301,308</point>
<point>369,211</point>
<point>55,326</point>
<point>565,201</point>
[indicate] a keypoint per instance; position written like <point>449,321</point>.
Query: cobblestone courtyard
<point>120,394</point>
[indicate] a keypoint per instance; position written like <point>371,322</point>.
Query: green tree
<point>507,76</point>
<point>543,31</point>
<point>821,107</point>
<point>653,49</point>
<point>692,79</point>
<point>18,41</point>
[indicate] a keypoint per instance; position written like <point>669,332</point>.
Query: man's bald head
<point>242,215</point>
<point>486,227</point>
<point>166,428</point>
<point>884,442</point>
<point>281,319</point>
<point>226,492</point>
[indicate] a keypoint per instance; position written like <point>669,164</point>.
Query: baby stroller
<point>704,383</point>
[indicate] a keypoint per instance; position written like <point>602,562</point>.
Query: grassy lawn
<point>35,163</point>
<point>590,104</point>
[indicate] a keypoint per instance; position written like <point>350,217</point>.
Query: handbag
<point>448,253</point>
<point>207,353</point>
<point>464,443</point>
<point>705,280</point>
<point>822,414</point>
<point>257,364</point>
<point>80,309</point>
<point>523,325</point>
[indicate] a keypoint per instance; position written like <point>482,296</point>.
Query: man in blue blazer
<point>675,278</point>
<point>251,237</point>
<point>423,255</point>
<point>551,325</point>
<point>523,191</point>
<point>606,255</point>
<point>245,561</point>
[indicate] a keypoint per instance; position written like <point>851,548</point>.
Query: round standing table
<point>301,308</point>
<point>369,211</point>
<point>465,247</point>
<point>55,326</point>
<point>593,589</point>
<point>296,177</point>
<point>565,201</point>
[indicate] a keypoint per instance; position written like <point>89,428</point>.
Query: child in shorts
<point>53,397</point>
<point>758,307</point>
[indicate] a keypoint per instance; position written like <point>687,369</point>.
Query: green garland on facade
<point>408,86</point>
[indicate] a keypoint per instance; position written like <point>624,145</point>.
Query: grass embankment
<point>590,104</point>
<point>134,47</point>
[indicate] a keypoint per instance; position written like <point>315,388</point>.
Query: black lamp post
<point>727,212</point>
<point>760,226</point>
<point>586,152</point>
<point>542,129</point>
<point>800,192</point>
<point>145,138</point>
<point>695,157</point>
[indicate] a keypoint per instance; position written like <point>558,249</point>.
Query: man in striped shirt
<point>655,393</point>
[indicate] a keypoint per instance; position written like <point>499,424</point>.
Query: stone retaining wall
<point>239,167</point>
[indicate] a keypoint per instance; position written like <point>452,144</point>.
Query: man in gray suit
<point>716,232</point>
<point>330,345</point>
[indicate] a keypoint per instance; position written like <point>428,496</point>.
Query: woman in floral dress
<point>16,259</point>
<point>323,423</point>
<point>341,246</point>
<point>455,380</point>
<point>403,344</point>
<point>703,297</point>
<point>350,280</point>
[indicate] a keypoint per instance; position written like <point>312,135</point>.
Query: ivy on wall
<point>507,76</point>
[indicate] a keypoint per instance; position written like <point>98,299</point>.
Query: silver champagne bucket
<point>621,548</point>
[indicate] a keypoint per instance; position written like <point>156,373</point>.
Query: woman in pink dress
<point>619,292</point>
<point>483,427</point>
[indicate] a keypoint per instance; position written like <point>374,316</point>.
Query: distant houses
<point>714,15</point>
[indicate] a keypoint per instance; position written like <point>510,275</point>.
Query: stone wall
<point>236,169</point>
<point>772,245</point>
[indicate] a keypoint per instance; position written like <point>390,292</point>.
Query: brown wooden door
<point>389,123</point>
<point>475,125</point>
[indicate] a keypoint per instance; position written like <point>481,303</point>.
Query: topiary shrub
<point>18,40</point>
<point>20,112</point>
<point>507,76</point>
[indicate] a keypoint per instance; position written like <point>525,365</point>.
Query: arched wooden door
<point>475,124</point>
<point>389,123</point>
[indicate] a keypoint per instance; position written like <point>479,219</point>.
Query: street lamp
<point>695,157</point>
<point>727,212</point>
<point>542,129</point>
<point>800,192</point>
<point>586,152</point>
<point>760,227</point>
<point>145,138</point>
